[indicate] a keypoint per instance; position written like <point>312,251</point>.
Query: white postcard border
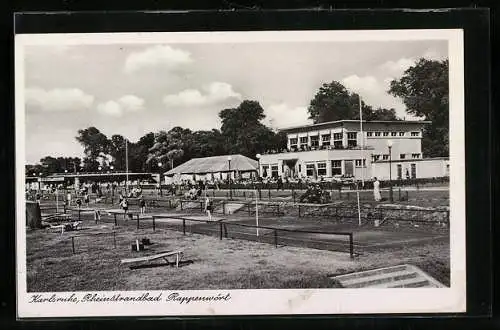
<point>264,301</point>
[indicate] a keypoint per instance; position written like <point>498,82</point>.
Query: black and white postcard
<point>240,173</point>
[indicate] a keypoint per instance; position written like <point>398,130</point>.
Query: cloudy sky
<point>132,89</point>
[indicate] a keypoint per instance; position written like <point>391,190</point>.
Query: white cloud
<point>58,99</point>
<point>159,55</point>
<point>110,108</point>
<point>374,92</point>
<point>286,116</point>
<point>127,103</point>
<point>396,68</point>
<point>216,92</point>
<point>131,103</point>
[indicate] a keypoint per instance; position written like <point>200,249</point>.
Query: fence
<point>339,241</point>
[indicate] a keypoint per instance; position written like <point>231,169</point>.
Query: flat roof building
<point>341,148</point>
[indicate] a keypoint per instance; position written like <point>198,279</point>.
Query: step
<point>419,283</point>
<point>371,272</point>
<point>379,278</point>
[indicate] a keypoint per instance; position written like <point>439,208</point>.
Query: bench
<point>163,255</point>
<point>74,226</point>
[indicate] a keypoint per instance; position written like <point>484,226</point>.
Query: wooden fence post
<point>73,244</point>
<point>220,229</point>
<point>224,207</point>
<point>114,239</point>
<point>351,245</point>
<point>184,226</point>
<point>138,221</point>
<point>154,224</point>
<point>276,238</point>
<point>181,204</point>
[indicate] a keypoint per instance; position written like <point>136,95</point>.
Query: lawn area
<point>213,263</point>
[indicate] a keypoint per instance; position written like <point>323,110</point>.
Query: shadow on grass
<point>163,264</point>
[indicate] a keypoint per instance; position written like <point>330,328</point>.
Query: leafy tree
<point>116,149</point>
<point>95,145</point>
<point>139,152</point>
<point>243,131</point>
<point>208,143</point>
<point>334,102</point>
<point>424,90</point>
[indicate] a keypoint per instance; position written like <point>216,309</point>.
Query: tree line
<point>423,88</point>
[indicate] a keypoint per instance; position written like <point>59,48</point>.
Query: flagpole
<point>126,165</point>
<point>362,155</point>
<point>362,143</point>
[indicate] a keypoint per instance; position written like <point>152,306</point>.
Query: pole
<point>126,166</point>
<point>57,200</point>
<point>362,143</point>
<point>229,180</point>
<point>390,174</point>
<point>359,207</point>
<point>257,212</point>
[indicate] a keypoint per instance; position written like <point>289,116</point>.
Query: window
<point>352,139</point>
<point>369,133</point>
<point>336,167</point>
<point>394,133</point>
<point>325,139</point>
<point>310,169</point>
<point>415,156</point>
<point>274,171</point>
<point>293,142</point>
<point>413,171</point>
<point>359,161</point>
<point>400,171</point>
<point>385,157</point>
<point>401,133</point>
<point>337,140</point>
<point>322,169</point>
<point>265,171</point>
<point>447,170</point>
<point>386,133</point>
<point>314,141</point>
<point>377,133</point>
<point>402,156</point>
<point>376,158</point>
<point>415,133</point>
<point>300,168</point>
<point>303,142</point>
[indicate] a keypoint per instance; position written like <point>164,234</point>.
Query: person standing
<point>124,205</point>
<point>376,190</point>
<point>142,204</point>
<point>208,207</point>
<point>86,199</point>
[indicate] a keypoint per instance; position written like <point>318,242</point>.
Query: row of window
<point>401,156</point>
<point>391,134</point>
<point>325,140</point>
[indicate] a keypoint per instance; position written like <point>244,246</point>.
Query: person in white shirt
<point>376,190</point>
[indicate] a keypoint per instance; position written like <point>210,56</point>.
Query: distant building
<point>339,148</point>
<point>216,167</point>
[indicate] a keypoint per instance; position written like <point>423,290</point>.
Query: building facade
<point>348,148</point>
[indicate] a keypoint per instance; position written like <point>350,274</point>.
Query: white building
<point>340,148</point>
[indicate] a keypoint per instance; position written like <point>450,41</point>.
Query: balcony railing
<point>308,148</point>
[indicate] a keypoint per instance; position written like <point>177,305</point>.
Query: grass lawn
<point>214,263</point>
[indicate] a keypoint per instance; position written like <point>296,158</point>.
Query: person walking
<point>208,207</point>
<point>124,205</point>
<point>376,190</point>
<point>86,199</point>
<point>142,204</point>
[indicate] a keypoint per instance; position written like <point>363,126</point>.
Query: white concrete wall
<point>425,168</point>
